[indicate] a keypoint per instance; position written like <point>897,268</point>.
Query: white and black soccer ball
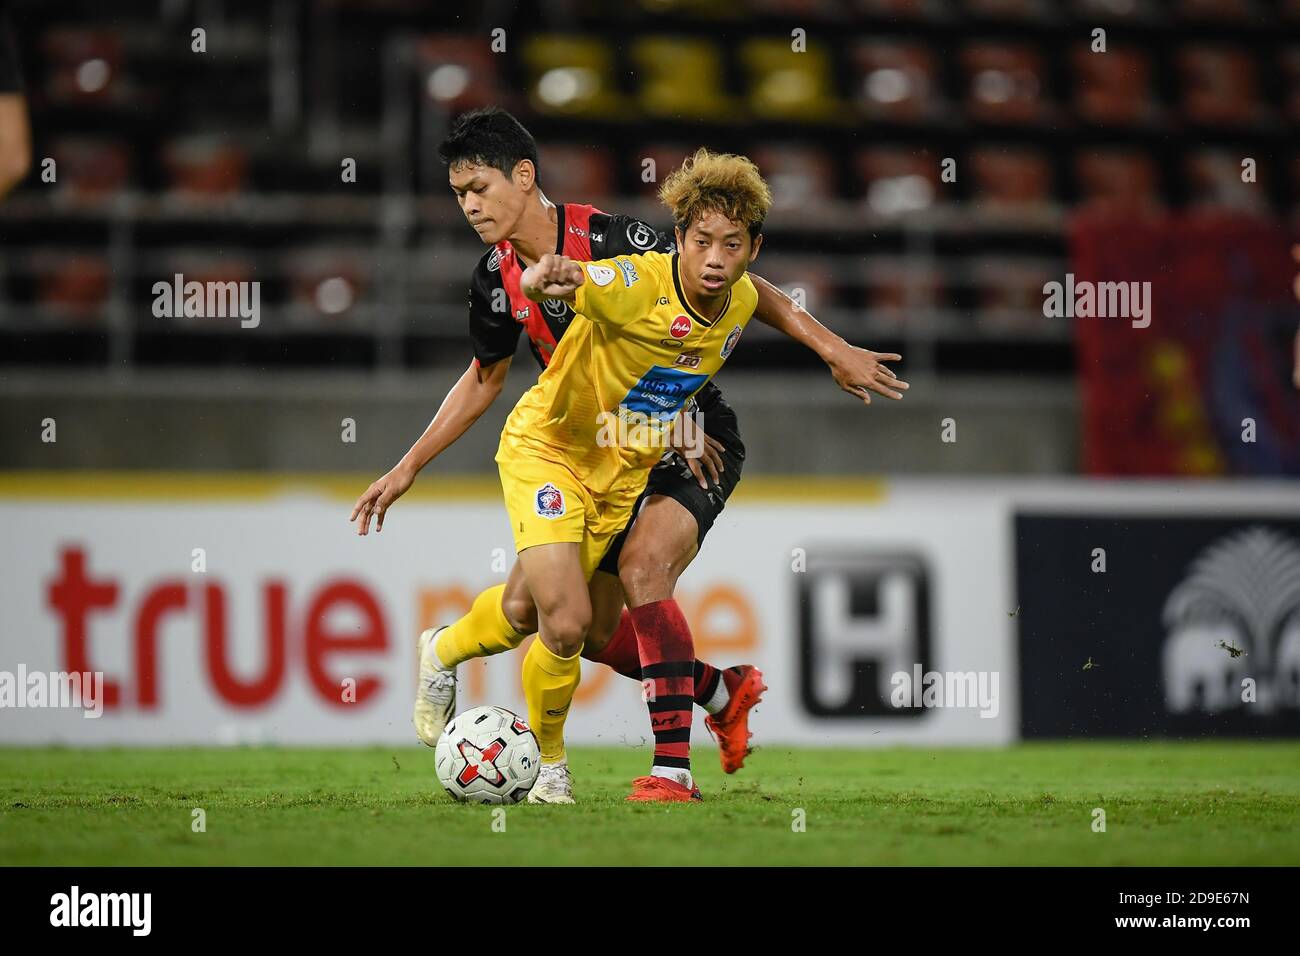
<point>488,755</point>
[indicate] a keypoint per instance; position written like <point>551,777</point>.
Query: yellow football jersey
<point>635,355</point>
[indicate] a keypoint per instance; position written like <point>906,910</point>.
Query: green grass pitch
<point>1174,803</point>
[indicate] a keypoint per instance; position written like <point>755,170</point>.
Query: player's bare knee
<point>646,574</point>
<point>520,611</point>
<point>566,632</point>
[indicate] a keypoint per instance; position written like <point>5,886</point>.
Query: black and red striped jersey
<point>498,309</point>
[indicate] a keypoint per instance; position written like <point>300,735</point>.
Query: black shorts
<point>672,477</point>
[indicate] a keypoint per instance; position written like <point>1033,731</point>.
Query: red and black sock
<point>621,652</point>
<point>706,682</point>
<point>668,669</point>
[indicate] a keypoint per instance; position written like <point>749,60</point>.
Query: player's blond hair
<point>717,182</point>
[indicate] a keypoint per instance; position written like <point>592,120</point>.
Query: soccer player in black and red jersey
<point>492,167</point>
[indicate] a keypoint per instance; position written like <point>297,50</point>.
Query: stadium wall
<point>242,609</point>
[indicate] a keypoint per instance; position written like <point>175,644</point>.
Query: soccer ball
<point>488,755</point>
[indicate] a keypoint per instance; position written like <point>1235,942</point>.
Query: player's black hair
<point>489,136</point>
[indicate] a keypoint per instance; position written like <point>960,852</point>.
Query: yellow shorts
<point>547,504</point>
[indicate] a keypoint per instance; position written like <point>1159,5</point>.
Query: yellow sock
<point>480,633</point>
<point>549,683</point>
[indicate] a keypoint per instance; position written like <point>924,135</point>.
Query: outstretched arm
<point>551,277</point>
<point>468,399</point>
<point>855,370</point>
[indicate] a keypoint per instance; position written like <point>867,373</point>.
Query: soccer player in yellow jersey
<point>575,453</point>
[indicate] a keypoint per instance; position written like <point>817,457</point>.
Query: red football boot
<point>661,790</point>
<point>731,725</point>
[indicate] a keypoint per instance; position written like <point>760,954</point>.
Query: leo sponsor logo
<point>601,275</point>
<point>680,328</point>
<point>689,359</point>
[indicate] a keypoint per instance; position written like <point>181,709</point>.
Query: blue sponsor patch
<point>629,271</point>
<point>663,391</point>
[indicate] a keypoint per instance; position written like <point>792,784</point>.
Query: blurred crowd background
<point>1126,163</point>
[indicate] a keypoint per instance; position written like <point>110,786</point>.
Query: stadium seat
<point>568,173</point>
<point>1009,293</point>
<point>1118,181</point>
<point>790,86</point>
<point>1113,87</point>
<point>665,158</point>
<point>206,166</point>
<point>1005,83</point>
<point>459,72</point>
<point>901,291</point>
<point>1011,178</point>
<point>896,180</point>
<point>896,82</point>
<point>1219,86</point>
<point>71,286</point>
<point>681,78</point>
<point>798,175</point>
<point>204,266</point>
<point>82,66</point>
<point>326,285</point>
<point>1214,181</point>
<point>573,76</point>
<point>90,168</point>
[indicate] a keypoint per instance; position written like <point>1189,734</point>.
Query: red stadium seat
<point>83,66</point>
<point>1118,182</point>
<point>897,180</point>
<point>1011,178</point>
<point>459,72</point>
<point>90,168</point>
<point>798,175</point>
<point>206,166</point>
<point>1214,181</point>
<point>1113,87</point>
<point>896,82</point>
<point>570,173</point>
<point>326,285</point>
<point>1219,86</point>
<point>1005,83</point>
<point>71,286</point>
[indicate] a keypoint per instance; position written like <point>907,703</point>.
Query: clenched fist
<point>551,277</point>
